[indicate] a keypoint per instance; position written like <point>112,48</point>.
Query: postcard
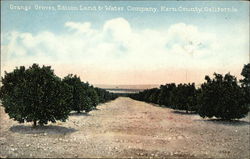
<point>113,79</point>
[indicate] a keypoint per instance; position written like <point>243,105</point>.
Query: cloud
<point>118,29</point>
<point>188,39</point>
<point>116,46</point>
<point>80,27</point>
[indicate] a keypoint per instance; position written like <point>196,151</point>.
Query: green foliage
<point>245,83</point>
<point>79,95</point>
<point>183,97</point>
<point>35,94</point>
<point>83,96</point>
<point>92,94</point>
<point>166,93</point>
<point>246,74</point>
<point>104,96</point>
<point>91,98</point>
<point>222,97</point>
<point>154,95</point>
<point>38,95</point>
<point>86,97</point>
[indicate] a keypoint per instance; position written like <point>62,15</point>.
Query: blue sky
<point>124,47</point>
<point>34,20</point>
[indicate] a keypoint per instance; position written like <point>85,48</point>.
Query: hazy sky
<point>127,46</point>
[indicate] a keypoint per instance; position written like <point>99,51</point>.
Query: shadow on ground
<point>226,122</point>
<point>79,114</point>
<point>183,112</point>
<point>51,129</point>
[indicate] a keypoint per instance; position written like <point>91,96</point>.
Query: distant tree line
<point>220,97</point>
<point>37,95</point>
<point>84,96</point>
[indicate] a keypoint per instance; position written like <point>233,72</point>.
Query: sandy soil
<point>127,128</point>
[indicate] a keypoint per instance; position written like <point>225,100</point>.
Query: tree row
<point>37,95</point>
<point>221,96</point>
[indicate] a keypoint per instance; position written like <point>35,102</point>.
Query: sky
<point>126,42</point>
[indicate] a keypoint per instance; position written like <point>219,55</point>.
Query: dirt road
<point>127,128</point>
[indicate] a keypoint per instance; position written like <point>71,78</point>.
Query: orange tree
<point>35,95</point>
<point>245,83</point>
<point>80,101</point>
<point>222,97</point>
